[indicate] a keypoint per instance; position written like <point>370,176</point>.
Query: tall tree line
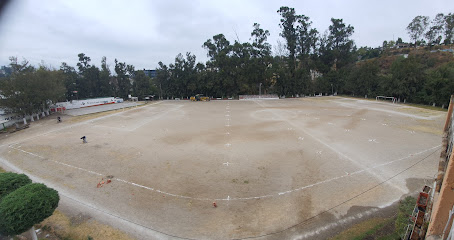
<point>89,81</point>
<point>310,61</point>
<point>245,67</point>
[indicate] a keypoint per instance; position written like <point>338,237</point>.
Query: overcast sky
<point>144,32</point>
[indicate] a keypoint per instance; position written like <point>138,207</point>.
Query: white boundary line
<point>137,228</point>
<point>345,104</point>
<point>317,231</point>
<point>75,125</point>
<point>356,163</point>
<point>229,198</point>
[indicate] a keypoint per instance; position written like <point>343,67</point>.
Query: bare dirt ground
<point>277,169</point>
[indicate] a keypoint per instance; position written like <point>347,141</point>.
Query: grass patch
<point>427,107</point>
<point>2,170</point>
<point>361,230</point>
<point>430,107</point>
<point>406,207</point>
<point>381,228</point>
<point>356,97</point>
<point>62,227</point>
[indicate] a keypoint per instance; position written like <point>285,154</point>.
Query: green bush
<point>12,181</point>
<point>26,206</point>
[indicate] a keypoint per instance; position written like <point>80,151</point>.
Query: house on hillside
<point>402,45</point>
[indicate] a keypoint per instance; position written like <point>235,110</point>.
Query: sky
<point>144,32</point>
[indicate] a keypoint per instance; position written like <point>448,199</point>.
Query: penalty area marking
<point>228,197</point>
<point>356,163</point>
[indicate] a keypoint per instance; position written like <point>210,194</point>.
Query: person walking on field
<point>84,139</point>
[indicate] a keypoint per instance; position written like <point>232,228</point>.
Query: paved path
<point>103,108</point>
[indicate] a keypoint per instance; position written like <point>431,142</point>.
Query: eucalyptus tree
<point>124,74</point>
<point>417,27</point>
<point>261,59</point>
<point>449,28</point>
<point>105,86</point>
<point>71,80</point>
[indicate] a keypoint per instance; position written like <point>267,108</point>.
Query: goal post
<point>385,98</point>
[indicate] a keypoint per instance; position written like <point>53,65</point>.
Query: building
<point>150,73</point>
<point>402,45</point>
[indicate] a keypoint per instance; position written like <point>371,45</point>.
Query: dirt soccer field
<point>277,169</point>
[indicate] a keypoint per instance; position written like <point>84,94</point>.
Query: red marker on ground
<point>214,204</point>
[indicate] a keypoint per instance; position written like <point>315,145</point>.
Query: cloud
<point>142,32</point>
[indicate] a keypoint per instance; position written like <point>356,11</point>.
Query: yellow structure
<point>199,97</point>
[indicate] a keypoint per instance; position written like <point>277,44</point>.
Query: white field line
<point>61,163</point>
<point>125,223</point>
<point>74,125</point>
<point>342,221</point>
<point>229,198</point>
<point>155,117</point>
<point>356,163</point>
<point>110,127</point>
<point>387,111</point>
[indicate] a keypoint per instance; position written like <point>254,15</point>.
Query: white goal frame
<point>393,99</point>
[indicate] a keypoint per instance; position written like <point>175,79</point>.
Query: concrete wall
<point>444,202</point>
<point>18,118</point>
<point>444,190</point>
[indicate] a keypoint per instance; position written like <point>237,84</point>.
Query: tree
<point>363,79</point>
<point>336,49</point>
<point>433,35</point>
<point>220,51</point>
<point>339,35</point>
<point>449,28</point>
<point>260,58</point>
<point>289,32</point>
<point>29,90</point>
<point>88,77</point>
<point>9,182</point>
<point>287,79</point>
<point>71,80</point>
<point>141,84</point>
<point>26,206</point>
<point>105,87</point>
<point>162,79</point>
<point>417,27</point>
<point>123,72</point>
<point>408,77</point>
<point>92,85</point>
<point>439,86</point>
<point>367,53</point>
<point>22,67</point>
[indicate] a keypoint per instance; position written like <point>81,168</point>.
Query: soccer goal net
<point>385,98</point>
